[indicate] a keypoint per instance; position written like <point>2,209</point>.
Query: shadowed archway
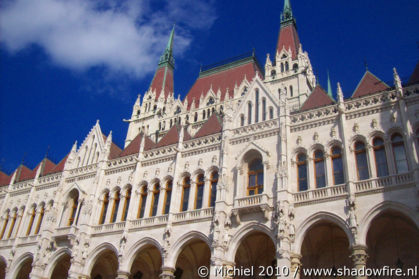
<point>106,266</point>
<point>147,263</point>
<point>194,254</point>
<point>61,267</point>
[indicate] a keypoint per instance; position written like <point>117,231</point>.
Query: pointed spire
<point>397,81</point>
<point>286,16</point>
<point>340,94</point>
<point>167,56</point>
<point>329,86</point>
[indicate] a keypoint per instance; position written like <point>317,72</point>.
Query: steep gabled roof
<point>47,167</point>
<point>318,98</point>
<point>288,39</point>
<point>414,78</point>
<point>186,135</point>
<point>26,173</point>
<point>212,126</point>
<point>4,179</point>
<point>369,84</point>
<point>223,77</point>
<point>60,166</point>
<point>133,147</point>
<point>115,151</point>
<point>163,79</point>
<point>171,137</point>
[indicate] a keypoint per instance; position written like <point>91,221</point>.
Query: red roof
<point>414,78</point>
<point>60,166</point>
<point>222,79</point>
<point>171,137</point>
<point>26,173</point>
<point>133,147</point>
<point>4,179</point>
<point>47,167</point>
<point>318,98</point>
<point>115,151</point>
<point>163,78</point>
<point>212,126</point>
<point>288,39</point>
<point>369,84</point>
<point>186,135</point>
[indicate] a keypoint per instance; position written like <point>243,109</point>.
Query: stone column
<point>167,273</point>
<point>110,208</point>
<point>123,274</point>
<point>359,258</point>
<point>295,266</point>
<point>371,161</point>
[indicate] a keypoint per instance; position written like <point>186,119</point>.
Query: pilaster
<point>359,258</point>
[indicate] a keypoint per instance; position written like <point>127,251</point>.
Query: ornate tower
<point>290,73</point>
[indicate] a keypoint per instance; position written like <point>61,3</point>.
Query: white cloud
<point>125,36</point>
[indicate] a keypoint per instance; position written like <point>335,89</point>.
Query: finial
<point>397,81</point>
<point>46,153</point>
<point>329,86</point>
<point>340,94</point>
<point>365,65</point>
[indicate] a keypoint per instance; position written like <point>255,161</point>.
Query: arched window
<point>380,157</point>
<point>282,67</point>
<point>279,93</point>
<point>186,187</point>
<point>319,170</point>
<point>302,172</point>
<point>256,105</point>
<point>399,153</point>
<point>208,112</point>
<point>361,160</point>
<point>263,109</point>
<point>213,189</point>
<point>242,120</point>
<point>155,199</point>
<point>195,118</point>
<point>291,91</point>
<point>40,218</point>
<point>337,165</point>
<point>12,225</point>
<point>115,207</point>
<point>143,201</point>
<point>271,113</point>
<point>31,219</point>
<point>171,123</point>
<point>168,196</point>
<point>199,194</point>
<point>287,67</point>
<point>74,202</point>
<point>249,113</point>
<point>6,221</point>
<point>255,178</point>
<point>203,114</point>
<point>104,210</point>
<point>126,205</point>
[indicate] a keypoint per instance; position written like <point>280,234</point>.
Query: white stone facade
<point>69,205</point>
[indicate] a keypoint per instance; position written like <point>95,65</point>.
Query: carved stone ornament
<point>333,132</point>
<point>374,123</point>
<point>355,128</point>
<point>316,137</point>
<point>299,140</point>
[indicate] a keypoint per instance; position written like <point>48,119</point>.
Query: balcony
<point>256,203</point>
<point>203,214</point>
<point>105,228</point>
<point>149,222</point>
<point>386,183</point>
<point>65,232</point>
<point>326,193</point>
<point>6,243</point>
<point>28,240</point>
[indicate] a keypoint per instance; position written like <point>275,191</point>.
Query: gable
<point>318,98</point>
<point>369,84</point>
<point>212,126</point>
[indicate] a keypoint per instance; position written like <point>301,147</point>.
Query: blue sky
<point>65,64</point>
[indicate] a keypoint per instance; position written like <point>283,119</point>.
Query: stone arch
<point>20,263</point>
<point>181,242</point>
<point>316,218</point>
<point>245,231</point>
<point>393,130</point>
<point>196,173</point>
<point>96,253</point>
<point>55,259</point>
<point>211,169</point>
<point>376,133</point>
<point>334,142</point>
<point>137,247</point>
<point>299,150</point>
<point>317,146</point>
<point>115,189</point>
<point>3,266</point>
<point>126,187</point>
<point>365,223</point>
<point>356,138</point>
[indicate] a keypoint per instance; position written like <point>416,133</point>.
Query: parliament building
<point>258,166</point>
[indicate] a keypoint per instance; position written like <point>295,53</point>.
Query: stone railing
<point>6,242</point>
<point>320,194</point>
<point>381,182</point>
<point>109,227</point>
<point>150,221</point>
<point>28,240</point>
<point>198,214</point>
<point>65,231</point>
<point>251,201</point>
<point>84,169</point>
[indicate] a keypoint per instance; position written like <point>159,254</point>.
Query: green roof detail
<point>329,86</point>
<point>286,16</point>
<point>167,56</point>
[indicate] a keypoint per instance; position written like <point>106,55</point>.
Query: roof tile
<point>318,98</point>
<point>369,84</point>
<point>288,39</point>
<point>212,126</point>
<point>4,179</point>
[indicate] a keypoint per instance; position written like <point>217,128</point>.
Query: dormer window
<point>244,90</point>
<point>273,73</point>
<point>210,101</point>
<point>295,67</point>
<point>284,56</point>
<point>177,110</point>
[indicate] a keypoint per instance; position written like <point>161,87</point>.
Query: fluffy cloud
<point>124,36</point>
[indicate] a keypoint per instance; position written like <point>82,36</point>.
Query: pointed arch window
<point>203,114</point>
<point>186,187</point>
<point>168,196</point>
<point>255,177</point>
<point>319,169</point>
<point>195,118</point>
<point>256,105</point>
<point>199,194</point>
<point>104,210</point>
<point>74,202</point>
<point>155,199</point>
<point>249,113</point>
<point>287,66</point>
<point>12,225</point>
<point>242,120</point>
<point>361,160</point>
<point>302,172</point>
<point>291,91</point>
<point>263,109</point>
<point>380,157</point>
<point>271,113</point>
<point>126,205</point>
<point>31,219</point>
<point>282,67</point>
<point>143,201</point>
<point>337,165</point>
<point>115,207</point>
<point>399,153</point>
<point>213,190</point>
<point>6,221</point>
<point>40,219</point>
